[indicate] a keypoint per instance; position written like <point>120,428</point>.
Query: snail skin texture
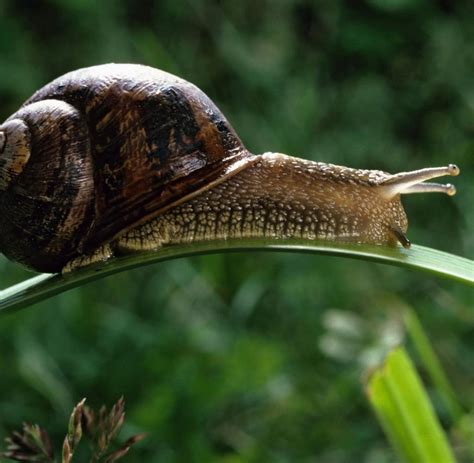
<point>121,158</point>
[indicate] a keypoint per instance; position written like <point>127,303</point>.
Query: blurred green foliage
<point>257,357</point>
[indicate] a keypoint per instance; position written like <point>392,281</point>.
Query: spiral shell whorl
<point>45,208</point>
<point>15,150</point>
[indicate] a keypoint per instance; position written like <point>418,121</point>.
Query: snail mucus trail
<point>120,158</point>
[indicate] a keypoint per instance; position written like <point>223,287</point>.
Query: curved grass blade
<point>417,257</point>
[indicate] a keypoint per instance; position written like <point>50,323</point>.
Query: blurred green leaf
<point>402,405</point>
<point>433,366</point>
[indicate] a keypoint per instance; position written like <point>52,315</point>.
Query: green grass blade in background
<point>403,408</point>
<point>417,257</point>
<point>432,364</point>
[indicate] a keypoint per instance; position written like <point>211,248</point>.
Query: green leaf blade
<point>417,257</point>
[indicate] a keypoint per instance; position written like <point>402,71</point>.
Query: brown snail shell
<point>111,146</point>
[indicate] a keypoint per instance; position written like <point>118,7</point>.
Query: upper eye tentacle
<point>412,182</point>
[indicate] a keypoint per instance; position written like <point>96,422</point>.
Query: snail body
<point>122,158</point>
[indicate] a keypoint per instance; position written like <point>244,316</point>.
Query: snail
<point>120,158</point>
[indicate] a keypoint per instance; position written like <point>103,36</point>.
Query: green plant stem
<point>417,257</point>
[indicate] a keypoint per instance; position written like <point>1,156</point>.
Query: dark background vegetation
<point>256,357</point>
